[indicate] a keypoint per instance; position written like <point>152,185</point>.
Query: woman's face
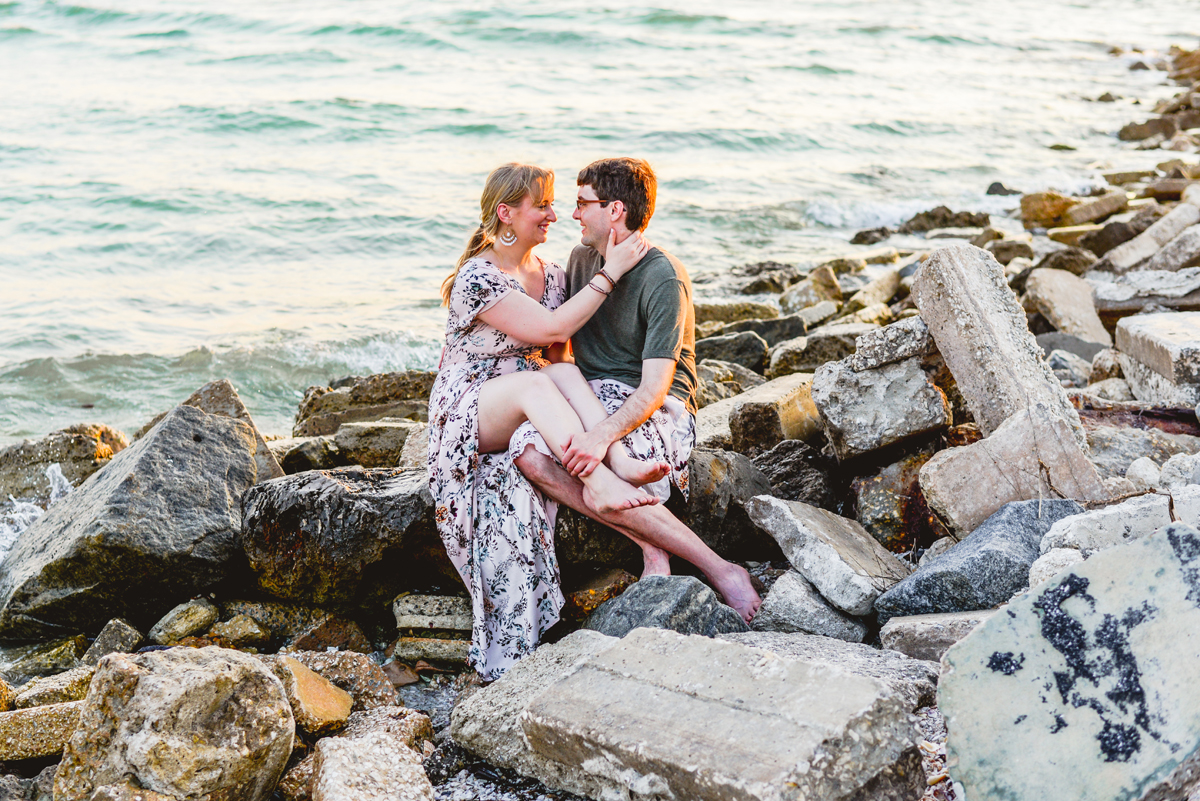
<point>532,218</point>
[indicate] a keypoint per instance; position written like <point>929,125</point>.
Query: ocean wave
<point>18,31</point>
<point>309,56</point>
<point>815,69</point>
<point>249,121</point>
<point>176,33</point>
<point>732,139</point>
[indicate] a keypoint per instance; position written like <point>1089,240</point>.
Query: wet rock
<point>720,484</point>
<point>284,621</point>
<point>1066,301</point>
<point>70,685</point>
<point>79,451</point>
<point>914,680</point>
<point>837,555</point>
<point>871,236</point>
<point>192,617</point>
<point>982,570</point>
<point>311,453</point>
<point>151,717</point>
<point>805,354</point>
<point>679,603</point>
<point>374,767</point>
<point>864,411</point>
<point>1032,455</point>
<point>981,333</point>
<point>44,659</point>
<point>1045,209</point>
<point>1051,563</point>
<point>333,537</point>
<point>1099,529</point>
<point>374,444</point>
<point>1146,244</point>
<point>318,706</point>
<point>634,711</point>
<point>929,636</point>
<point>415,453</point>
<point>355,673</point>
<point>942,217</point>
<point>797,472</point>
<point>1120,715</point>
<point>241,631</point>
<point>820,285</point>
<point>331,631</point>
<point>1095,209</point>
<point>890,344</point>
<point>794,605</point>
<point>156,524</point>
<point>39,731</point>
<point>890,504</point>
<point>117,636</point>
<point>324,409</point>
<point>732,311</point>
<point>583,599</point>
<point>775,330</point>
<point>779,409</point>
<point>746,348</point>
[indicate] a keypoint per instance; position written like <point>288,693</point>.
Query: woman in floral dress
<point>494,393</point>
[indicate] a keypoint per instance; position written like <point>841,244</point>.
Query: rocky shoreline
<point>963,462</point>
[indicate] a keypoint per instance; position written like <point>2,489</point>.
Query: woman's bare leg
<point>509,400</point>
<point>574,387</point>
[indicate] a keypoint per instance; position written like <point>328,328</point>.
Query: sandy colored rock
<point>805,354</point>
<point>1146,244</point>
<point>432,649</point>
<point>1045,209</point>
<point>70,685</point>
<point>117,636</point>
<point>378,443</point>
<point>1150,386</point>
<point>356,673</point>
<point>1098,208</point>
<point>241,631</point>
<point>772,412</point>
<point>930,636</point>
<point>415,453</point>
<point>221,398</point>
<point>404,394</point>
<point>317,705</point>
<point>1168,343</point>
<point>432,612</point>
<point>192,617</point>
<point>819,285</point>
<point>879,290</point>
<point>1066,301</point>
<point>39,731</point>
<point>732,311</point>
<point>374,767</point>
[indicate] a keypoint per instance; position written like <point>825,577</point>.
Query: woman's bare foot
<point>637,472</point>
<point>656,561</point>
<point>603,492</point>
<point>734,585</point>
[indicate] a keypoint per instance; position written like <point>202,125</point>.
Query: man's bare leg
<point>652,525</point>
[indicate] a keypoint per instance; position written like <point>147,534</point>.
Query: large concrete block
<point>652,718</point>
<point>1087,683</point>
<point>981,331</point>
<point>930,636</point>
<point>1168,343</point>
<point>1032,455</point>
<point>1149,386</point>
<point>1099,529</point>
<point>868,410</point>
<point>794,605</point>
<point>1147,243</point>
<point>772,412</point>
<point>837,555</point>
<point>1066,301</point>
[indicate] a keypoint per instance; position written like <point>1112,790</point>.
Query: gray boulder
<point>772,330</point>
<point>356,399</point>
<point>745,348</point>
<point>156,524</point>
<point>679,603</point>
<point>79,451</point>
<point>798,472</point>
<point>794,605</point>
<point>719,484</point>
<point>984,569</point>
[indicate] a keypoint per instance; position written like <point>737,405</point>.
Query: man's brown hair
<point>630,181</point>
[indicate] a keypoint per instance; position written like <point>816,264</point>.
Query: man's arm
<point>587,450</point>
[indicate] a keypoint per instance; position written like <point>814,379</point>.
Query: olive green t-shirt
<point>649,315</point>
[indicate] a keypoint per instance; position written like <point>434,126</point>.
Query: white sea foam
<point>20,515</point>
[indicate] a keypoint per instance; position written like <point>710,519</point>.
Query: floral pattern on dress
<point>669,435</point>
<point>498,530</point>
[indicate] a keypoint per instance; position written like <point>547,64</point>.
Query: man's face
<point>594,217</point>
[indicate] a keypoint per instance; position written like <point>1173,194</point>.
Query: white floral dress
<point>498,530</point>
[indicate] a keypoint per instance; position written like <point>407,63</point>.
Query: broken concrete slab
<point>879,290</point>
<point>432,612</point>
<point>819,285</point>
<point>983,570</point>
<point>1099,529</point>
<point>1094,209</point>
<point>39,731</point>
<point>1146,244</point>
<point>836,554</point>
<point>1084,682</point>
<point>679,603</point>
<point>1185,504</point>
<point>780,409</point>
<point>864,411</point>
<point>930,636</point>
<point>892,343</point>
<point>373,767</point>
<point>650,717</point>
<point>794,605</point>
<point>1182,251</point>
<point>1168,343</point>
<point>1149,386</point>
<point>981,332</point>
<point>1065,300</point>
<point>1032,455</point>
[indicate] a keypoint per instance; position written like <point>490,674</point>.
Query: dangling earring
<point>509,237</point>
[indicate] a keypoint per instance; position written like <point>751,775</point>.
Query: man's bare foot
<point>734,585</point>
<point>657,561</point>
<point>637,472</point>
<point>603,492</point>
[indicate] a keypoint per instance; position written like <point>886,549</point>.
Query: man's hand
<point>585,452</point>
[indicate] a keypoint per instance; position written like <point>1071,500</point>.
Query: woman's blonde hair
<point>508,184</point>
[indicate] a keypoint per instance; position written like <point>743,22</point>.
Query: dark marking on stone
<point>1186,546</point>
<point>1006,663</point>
<point>1020,720</point>
<point>1059,724</point>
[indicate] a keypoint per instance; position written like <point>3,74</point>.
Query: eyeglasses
<point>579,204</point>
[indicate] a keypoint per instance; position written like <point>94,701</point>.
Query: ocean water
<point>272,191</point>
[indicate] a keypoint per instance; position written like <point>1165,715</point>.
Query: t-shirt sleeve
<point>477,288</point>
<point>665,319</point>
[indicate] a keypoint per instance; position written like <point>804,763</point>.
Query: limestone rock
<point>1152,387</point>
<point>930,636</point>
<point>1105,365</point>
<point>892,343</point>
<point>415,453</point>
<point>1069,369</point>
<point>374,444</point>
<point>432,612</point>
<point>1113,389</point>
<point>317,705</point>
<point>324,409</point>
<point>942,217</point>
<point>1108,204</point>
<point>1145,474</point>
<point>70,685</point>
<point>827,343</point>
<point>1031,455</point>
<point>1098,529</point>
<point>185,722</point>
<point>745,348</point>
<point>1076,261</point>
<point>678,603</point>
<point>1051,563</point>
<point>1006,251</point>
<point>311,453</point>
<point>814,316</point>
<point>1114,448</point>
<point>732,311</point>
<point>241,631</point>
<point>431,649</point>
<point>1167,343</point>
<point>156,524</point>
<point>880,290</point>
<point>982,335</point>
<point>1045,209</point>
<point>1182,251</point>
<point>1146,244</point>
<point>1084,682</point>
<point>846,565</point>
<point>79,451</point>
<point>939,547</point>
<point>117,636</point>
<point>192,617</point>
<point>984,569</point>
<point>719,380</point>
<point>794,605</point>
<point>44,659</point>
<point>774,330</point>
<point>39,731</point>
<point>797,472</point>
<point>712,425</point>
<point>1066,301</point>
<point>780,409</point>
<point>356,673</point>
<point>865,411</point>
<point>374,767</point>
<point>327,537</point>
<point>820,285</point>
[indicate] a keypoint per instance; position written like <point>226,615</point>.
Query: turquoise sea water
<point>272,191</point>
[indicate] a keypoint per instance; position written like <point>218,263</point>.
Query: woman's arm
<point>520,316</point>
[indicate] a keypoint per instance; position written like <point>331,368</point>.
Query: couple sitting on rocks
<point>516,427</point>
